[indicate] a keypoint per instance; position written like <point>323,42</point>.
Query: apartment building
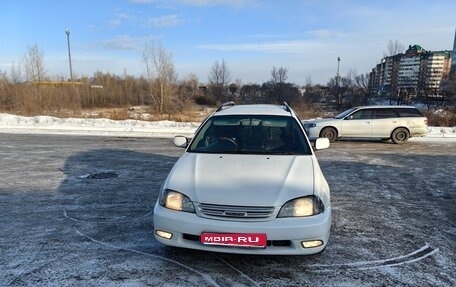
<point>415,72</point>
<point>435,71</point>
<point>453,61</point>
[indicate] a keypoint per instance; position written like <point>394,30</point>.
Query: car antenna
<point>225,105</point>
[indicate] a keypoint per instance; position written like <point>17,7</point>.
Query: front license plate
<point>257,240</point>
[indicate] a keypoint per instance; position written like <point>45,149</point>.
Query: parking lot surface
<point>77,211</point>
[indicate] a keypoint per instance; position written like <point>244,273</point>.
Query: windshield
<point>251,135</point>
<point>344,114</point>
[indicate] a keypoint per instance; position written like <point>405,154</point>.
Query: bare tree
<point>34,64</point>
<point>451,91</point>
<point>15,73</point>
<point>279,75</point>
<point>159,69</point>
<point>278,84</point>
<point>393,48</point>
<point>250,93</point>
<point>341,88</point>
<point>187,91</point>
<point>219,78</point>
<point>148,65</point>
<point>3,77</point>
<point>362,84</point>
<point>308,82</point>
<point>3,84</point>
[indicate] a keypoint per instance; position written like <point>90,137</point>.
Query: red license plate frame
<point>247,240</point>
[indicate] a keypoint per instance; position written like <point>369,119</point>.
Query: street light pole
<point>338,64</point>
<point>67,31</point>
<point>338,101</point>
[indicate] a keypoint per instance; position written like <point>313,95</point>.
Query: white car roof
<point>254,110</point>
<point>385,107</point>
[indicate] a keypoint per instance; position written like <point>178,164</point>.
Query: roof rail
<point>287,107</point>
<point>225,105</point>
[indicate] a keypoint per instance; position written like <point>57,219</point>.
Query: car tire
<point>400,136</point>
<point>330,133</point>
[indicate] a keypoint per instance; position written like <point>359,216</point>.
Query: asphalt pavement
<point>77,211</point>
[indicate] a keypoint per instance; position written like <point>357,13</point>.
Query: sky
<point>251,36</point>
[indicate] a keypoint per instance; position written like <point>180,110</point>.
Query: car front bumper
<point>284,235</point>
<point>312,133</point>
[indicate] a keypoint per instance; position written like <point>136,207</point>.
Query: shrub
<point>442,117</point>
<point>205,101</point>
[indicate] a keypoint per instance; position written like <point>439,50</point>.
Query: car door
<point>384,122</point>
<point>357,124</point>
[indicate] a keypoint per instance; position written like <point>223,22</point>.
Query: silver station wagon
<point>248,183</point>
<point>398,123</point>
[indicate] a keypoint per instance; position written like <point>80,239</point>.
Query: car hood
<point>248,180</point>
<point>324,121</point>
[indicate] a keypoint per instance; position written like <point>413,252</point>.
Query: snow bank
<point>79,126</point>
<point>441,132</point>
<point>438,134</point>
<point>135,128</point>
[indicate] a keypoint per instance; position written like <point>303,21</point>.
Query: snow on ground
<point>105,127</point>
<point>441,133</point>
<point>136,128</point>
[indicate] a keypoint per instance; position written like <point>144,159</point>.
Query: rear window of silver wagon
<point>409,112</point>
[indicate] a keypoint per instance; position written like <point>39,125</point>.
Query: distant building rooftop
<point>415,49</point>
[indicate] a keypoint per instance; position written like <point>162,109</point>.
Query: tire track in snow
<point>206,277</point>
<point>65,214</point>
<point>412,257</point>
<point>239,271</point>
<point>113,220</point>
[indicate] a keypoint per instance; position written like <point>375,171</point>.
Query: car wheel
<point>329,133</point>
<point>400,136</point>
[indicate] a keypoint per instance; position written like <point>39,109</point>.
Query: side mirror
<point>180,141</point>
<point>321,143</point>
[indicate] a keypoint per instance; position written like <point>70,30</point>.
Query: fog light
<point>163,234</point>
<point>311,243</point>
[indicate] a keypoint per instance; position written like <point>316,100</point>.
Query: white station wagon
<point>398,123</point>
<point>248,183</point>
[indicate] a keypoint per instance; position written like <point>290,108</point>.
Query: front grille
<point>279,243</point>
<point>238,212</point>
<point>191,237</point>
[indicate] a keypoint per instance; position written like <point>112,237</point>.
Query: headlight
<point>308,126</point>
<point>176,201</point>
<point>303,206</point>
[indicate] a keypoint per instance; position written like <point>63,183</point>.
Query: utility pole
<point>338,65</point>
<point>67,31</point>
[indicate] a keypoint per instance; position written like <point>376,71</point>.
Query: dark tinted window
<point>361,115</point>
<point>248,134</point>
<point>343,114</point>
<point>385,113</point>
<point>409,112</point>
